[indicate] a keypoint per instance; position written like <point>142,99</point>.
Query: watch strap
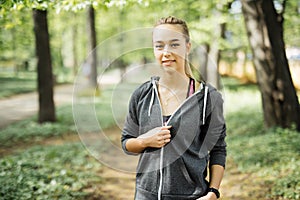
<point>214,190</point>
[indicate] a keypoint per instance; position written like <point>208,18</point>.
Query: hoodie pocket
<point>148,181</point>
<point>186,173</point>
<point>178,180</point>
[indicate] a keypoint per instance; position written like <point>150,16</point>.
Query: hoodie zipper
<point>184,102</point>
<point>162,149</point>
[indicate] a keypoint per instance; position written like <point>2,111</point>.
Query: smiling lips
<point>167,62</point>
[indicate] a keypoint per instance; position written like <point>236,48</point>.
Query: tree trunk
<point>212,71</point>
<point>44,67</point>
<point>199,59</point>
<point>74,47</point>
<point>265,32</point>
<point>92,57</point>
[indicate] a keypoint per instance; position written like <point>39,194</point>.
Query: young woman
<point>176,124</point>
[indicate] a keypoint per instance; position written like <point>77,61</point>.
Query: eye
<point>174,45</point>
<point>159,46</point>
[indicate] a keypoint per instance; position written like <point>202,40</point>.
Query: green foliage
<point>288,186</point>
<point>56,172</point>
<point>67,25</point>
<point>292,23</point>
<point>272,154</point>
<point>16,37</point>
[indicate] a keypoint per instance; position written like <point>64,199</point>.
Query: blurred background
<point>68,68</point>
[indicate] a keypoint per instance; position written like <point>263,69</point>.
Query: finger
<point>160,138</point>
<point>165,132</point>
<point>166,127</point>
<point>167,136</point>
<point>167,140</point>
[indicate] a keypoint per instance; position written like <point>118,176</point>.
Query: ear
<point>188,47</point>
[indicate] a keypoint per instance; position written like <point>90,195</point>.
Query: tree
<point>44,64</point>
<point>265,32</point>
<point>74,46</point>
<point>212,67</point>
<point>44,67</point>
<point>92,57</point>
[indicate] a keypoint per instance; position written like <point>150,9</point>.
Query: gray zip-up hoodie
<point>178,170</point>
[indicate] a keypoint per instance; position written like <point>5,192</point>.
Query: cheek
<point>180,54</point>
<point>157,54</point>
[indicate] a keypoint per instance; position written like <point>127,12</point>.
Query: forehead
<point>167,32</point>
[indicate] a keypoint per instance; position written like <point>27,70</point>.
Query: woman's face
<point>170,47</point>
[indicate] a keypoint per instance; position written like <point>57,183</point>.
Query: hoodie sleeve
<point>217,130</point>
<point>131,125</point>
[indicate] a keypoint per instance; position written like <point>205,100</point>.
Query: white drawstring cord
<point>204,105</point>
<point>160,173</point>
<point>154,89</point>
<point>151,101</point>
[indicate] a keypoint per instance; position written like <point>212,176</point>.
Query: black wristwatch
<point>214,190</point>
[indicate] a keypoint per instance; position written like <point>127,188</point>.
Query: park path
<point>22,106</point>
<point>19,107</point>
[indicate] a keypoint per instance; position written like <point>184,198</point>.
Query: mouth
<point>167,62</point>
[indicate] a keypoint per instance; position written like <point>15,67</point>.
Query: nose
<point>166,50</point>
<point>166,54</point>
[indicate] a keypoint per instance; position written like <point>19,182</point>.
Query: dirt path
<point>22,106</point>
<point>118,185</point>
<point>241,186</point>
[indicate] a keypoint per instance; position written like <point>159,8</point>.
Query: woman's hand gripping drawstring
<point>157,137</point>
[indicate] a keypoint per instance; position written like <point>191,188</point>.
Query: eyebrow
<point>173,40</point>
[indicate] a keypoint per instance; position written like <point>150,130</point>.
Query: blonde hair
<point>190,70</point>
<point>175,21</point>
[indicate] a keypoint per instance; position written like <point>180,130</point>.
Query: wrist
<point>214,191</point>
<point>143,143</point>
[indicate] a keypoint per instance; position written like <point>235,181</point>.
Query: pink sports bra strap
<point>191,89</point>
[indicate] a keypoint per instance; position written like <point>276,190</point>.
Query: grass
<point>12,84</point>
<point>52,172</point>
<point>271,154</point>
<point>67,171</point>
<point>29,131</point>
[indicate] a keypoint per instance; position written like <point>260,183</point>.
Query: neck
<point>174,81</point>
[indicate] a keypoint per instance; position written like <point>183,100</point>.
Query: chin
<point>168,69</point>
